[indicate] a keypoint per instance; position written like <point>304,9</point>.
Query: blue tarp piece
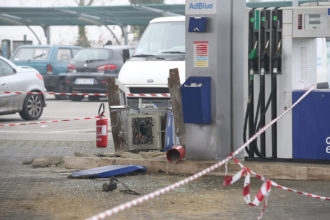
<point>107,171</point>
<point>169,142</point>
<point>170,137</point>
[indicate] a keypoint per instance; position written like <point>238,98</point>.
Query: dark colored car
<point>50,60</point>
<point>89,68</point>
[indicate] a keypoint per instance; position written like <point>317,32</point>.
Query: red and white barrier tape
<point>55,93</point>
<point>187,180</point>
<point>282,187</point>
<point>152,95</point>
<point>262,194</point>
<point>44,122</point>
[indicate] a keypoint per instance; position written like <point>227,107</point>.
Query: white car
<point>23,79</point>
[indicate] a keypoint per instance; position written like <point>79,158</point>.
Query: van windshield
<point>164,38</point>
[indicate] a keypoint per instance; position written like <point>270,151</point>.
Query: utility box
<point>6,48</point>
<point>144,132</point>
<point>196,100</point>
<point>311,125</point>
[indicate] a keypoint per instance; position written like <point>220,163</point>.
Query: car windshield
<point>91,54</point>
<point>32,54</point>
<point>164,38</point>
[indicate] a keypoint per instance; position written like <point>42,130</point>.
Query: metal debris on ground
<point>112,185</point>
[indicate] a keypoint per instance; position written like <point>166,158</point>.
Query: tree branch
<point>90,2</point>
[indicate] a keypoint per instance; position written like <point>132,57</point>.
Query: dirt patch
<point>85,198</point>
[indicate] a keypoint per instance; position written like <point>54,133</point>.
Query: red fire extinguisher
<point>102,129</point>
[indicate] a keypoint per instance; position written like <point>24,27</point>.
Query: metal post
<point>124,30</point>
<point>295,3</point>
<point>47,33</point>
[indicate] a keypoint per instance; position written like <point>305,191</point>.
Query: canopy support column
<point>47,32</point>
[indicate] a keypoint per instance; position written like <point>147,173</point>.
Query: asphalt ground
<point>82,130</point>
<point>47,193</point>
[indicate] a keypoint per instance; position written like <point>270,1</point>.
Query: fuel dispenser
<point>265,33</point>
<point>284,61</point>
<point>305,30</point>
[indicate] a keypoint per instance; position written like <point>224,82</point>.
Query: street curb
<point>278,170</point>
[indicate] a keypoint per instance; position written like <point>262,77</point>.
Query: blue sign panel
<point>311,126</point>
<point>197,24</point>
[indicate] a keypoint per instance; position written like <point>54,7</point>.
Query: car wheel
<point>32,107</point>
<point>93,98</point>
<point>76,98</point>
<point>61,88</point>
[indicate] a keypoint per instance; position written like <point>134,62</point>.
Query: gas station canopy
<point>103,15</point>
<point>88,15</point>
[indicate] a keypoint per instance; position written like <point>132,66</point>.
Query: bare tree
<point>138,29</point>
<point>146,1</point>
<point>82,37</point>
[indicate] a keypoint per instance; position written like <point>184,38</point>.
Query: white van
<point>161,48</point>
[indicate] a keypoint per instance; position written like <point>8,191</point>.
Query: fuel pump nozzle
<point>277,58</point>
<point>253,59</point>
<point>253,53</point>
<point>264,59</point>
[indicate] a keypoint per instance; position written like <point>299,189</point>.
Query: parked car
<point>50,60</point>
<point>90,67</point>
<point>24,79</point>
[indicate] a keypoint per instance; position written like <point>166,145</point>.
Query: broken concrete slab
<point>40,162</point>
<point>109,155</point>
<point>27,161</point>
<point>80,154</point>
<point>45,161</point>
<point>297,171</point>
<point>130,155</point>
<point>153,165</point>
<point>55,161</point>
<point>151,154</point>
<point>81,162</point>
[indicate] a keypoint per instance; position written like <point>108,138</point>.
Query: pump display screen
<point>315,21</point>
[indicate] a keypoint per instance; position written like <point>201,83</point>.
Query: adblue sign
<point>196,7</point>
